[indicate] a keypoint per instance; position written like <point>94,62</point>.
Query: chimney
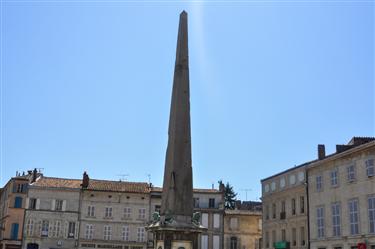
<point>34,176</point>
<point>85,180</point>
<point>321,151</point>
<point>221,187</point>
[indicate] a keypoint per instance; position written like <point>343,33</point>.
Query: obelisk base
<point>176,239</point>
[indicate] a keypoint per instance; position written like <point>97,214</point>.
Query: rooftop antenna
<point>149,178</point>
<point>123,177</point>
<point>40,170</point>
<point>246,190</point>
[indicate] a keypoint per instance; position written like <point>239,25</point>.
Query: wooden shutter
<point>53,205</point>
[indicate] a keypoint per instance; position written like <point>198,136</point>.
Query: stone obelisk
<point>177,227</point>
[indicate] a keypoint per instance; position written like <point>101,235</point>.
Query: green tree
<point>229,195</point>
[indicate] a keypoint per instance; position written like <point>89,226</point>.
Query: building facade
<point>114,214</point>
<point>327,203</point>
<point>51,215</point>
<point>243,226</point>
<point>284,199</point>
<point>68,213</point>
<point>210,203</point>
<point>12,209</point>
<point>342,197</point>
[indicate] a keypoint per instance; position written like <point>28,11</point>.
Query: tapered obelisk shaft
<point>177,197</point>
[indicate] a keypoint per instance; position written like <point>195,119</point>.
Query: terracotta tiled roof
<point>196,190</point>
<point>54,182</point>
<point>118,186</point>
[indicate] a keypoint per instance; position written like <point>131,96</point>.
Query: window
<point>283,235</point>
<point>292,179</point>
<point>273,186</point>
<point>282,182</point>
<point>14,231</point>
<point>301,176</point>
<point>302,236</point>
<point>141,234</point>
<point>205,220</point>
<point>18,202</point>
<point>19,188</point>
<point>370,171</point>
<point>125,233</point>
<point>108,212</point>
<point>371,213</point>
<point>336,222</point>
<point>216,220</point>
<point>127,212</point>
<point>294,236</point>
<point>211,203</point>
<point>266,188</point>
<point>59,205</point>
<point>91,211</point>
<point>353,217</point>
<point>319,183</point>
<point>274,210</point>
<point>282,214</point>
<point>351,173</point>
<point>204,242</point>
<point>89,231</point>
<point>45,227</point>
<point>56,229</point>
<point>273,236</point>
<point>142,213</point>
<point>216,242</point>
<point>302,204</point>
<point>267,212</point>
<point>233,243</point>
<point>334,178</point>
<point>320,221</point>
<point>107,232</point>
<point>157,208</point>
<point>32,203</point>
<point>30,227</point>
<point>71,229</point>
<point>293,206</point>
<point>196,202</point>
<point>267,239</point>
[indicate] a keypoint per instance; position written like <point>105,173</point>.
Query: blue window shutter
<point>14,234</point>
<point>18,202</point>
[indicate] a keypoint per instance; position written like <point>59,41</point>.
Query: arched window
<point>233,243</point>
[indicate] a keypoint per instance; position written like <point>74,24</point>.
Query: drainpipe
<point>79,216</point>
<point>308,209</point>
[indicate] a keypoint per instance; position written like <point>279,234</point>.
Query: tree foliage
<point>229,195</point>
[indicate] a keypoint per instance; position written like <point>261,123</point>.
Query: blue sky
<point>86,85</point>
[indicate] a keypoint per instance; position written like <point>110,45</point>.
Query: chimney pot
<point>85,180</point>
<point>35,175</point>
<point>321,151</point>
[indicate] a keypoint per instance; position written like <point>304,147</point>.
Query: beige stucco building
<point>285,209</point>
<point>243,226</point>
<point>113,214</point>
<point>51,215</point>
<point>327,203</point>
<point>342,197</point>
